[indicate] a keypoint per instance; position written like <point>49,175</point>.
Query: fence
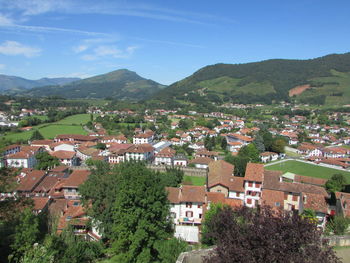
<point>339,241</point>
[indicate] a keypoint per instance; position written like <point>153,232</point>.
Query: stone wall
<point>190,171</point>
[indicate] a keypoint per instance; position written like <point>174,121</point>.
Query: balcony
<point>189,221</point>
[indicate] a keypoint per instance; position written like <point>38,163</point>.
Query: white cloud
<point>2,66</point>
<point>109,51</point>
<point>13,48</point>
<point>80,48</point>
<point>5,21</point>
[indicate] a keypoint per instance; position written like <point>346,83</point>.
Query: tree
<point>337,183</point>
<point>45,161</point>
<point>36,136</point>
<point>99,193</point>
<point>251,152</point>
<point>169,249</point>
<point>38,254</point>
<point>223,143</point>
<point>278,145</point>
<point>208,143</point>
<point>26,234</point>
<point>266,235</point>
<point>338,225</point>
<point>259,143</point>
<point>101,146</point>
<point>207,238</point>
<point>172,177</point>
<point>141,215</point>
<point>185,124</point>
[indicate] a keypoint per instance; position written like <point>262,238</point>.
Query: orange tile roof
<point>186,193</point>
<point>254,172</point>
<point>76,178</point>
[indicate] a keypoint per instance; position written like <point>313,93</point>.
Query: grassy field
<point>195,180</point>
<point>307,169</point>
<point>75,119</point>
<point>70,125</point>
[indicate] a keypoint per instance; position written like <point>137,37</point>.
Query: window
<point>188,205</point>
<point>219,190</point>
<point>250,184</point>
<point>257,185</point>
<point>277,204</point>
<point>295,198</point>
<point>189,214</point>
<point>249,201</point>
<point>200,215</point>
<point>237,194</point>
<point>199,206</point>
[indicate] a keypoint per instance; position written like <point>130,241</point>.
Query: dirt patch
<point>298,90</point>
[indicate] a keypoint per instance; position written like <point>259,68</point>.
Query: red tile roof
<point>76,178</point>
<point>186,193</point>
<point>254,172</point>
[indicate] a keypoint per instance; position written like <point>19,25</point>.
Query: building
<point>165,157</point>
<point>140,152</point>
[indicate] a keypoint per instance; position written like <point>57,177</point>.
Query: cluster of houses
<point>55,192</point>
<point>285,191</point>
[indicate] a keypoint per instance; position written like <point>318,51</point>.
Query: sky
<point>163,40</point>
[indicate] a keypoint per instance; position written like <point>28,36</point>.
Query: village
<point>200,152</point>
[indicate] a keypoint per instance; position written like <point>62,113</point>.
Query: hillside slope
<point>266,81</point>
<point>121,84</point>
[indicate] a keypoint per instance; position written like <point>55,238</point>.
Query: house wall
<point>219,189</point>
<point>233,195</point>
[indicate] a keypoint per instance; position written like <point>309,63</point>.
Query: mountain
<point>121,84</point>
<point>17,83</point>
<point>316,81</point>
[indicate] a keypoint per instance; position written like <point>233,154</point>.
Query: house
<point>234,146</point>
<point>201,162</point>
<point>25,158</point>
<point>114,139</point>
<point>84,153</point>
<point>140,152</point>
<point>43,143</point>
<point>63,146</point>
<point>117,152</point>
<point>12,149</point>
<point>221,179</point>
<point>253,179</point>
<point>266,157</point>
<point>41,204</point>
<point>165,157</point>
<point>143,138</point>
<point>186,210</point>
<point>209,154</point>
<point>235,137</point>
<point>66,157</point>
<point>180,160</point>
<point>28,181</point>
<point>334,152</point>
<point>309,150</point>
<point>78,138</point>
<point>71,184</point>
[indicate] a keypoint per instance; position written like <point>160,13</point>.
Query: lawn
<point>75,119</point>
<point>69,125</point>
<point>307,169</point>
<point>195,180</point>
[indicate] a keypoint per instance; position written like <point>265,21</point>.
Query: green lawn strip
<point>51,131</point>
<point>195,180</point>
<point>75,119</point>
<point>307,169</point>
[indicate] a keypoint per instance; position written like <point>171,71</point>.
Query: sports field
<point>306,169</point>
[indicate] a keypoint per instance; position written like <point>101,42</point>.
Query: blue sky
<point>163,40</point>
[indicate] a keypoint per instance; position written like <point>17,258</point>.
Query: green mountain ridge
<point>120,84</point>
<point>266,82</point>
<point>13,83</point>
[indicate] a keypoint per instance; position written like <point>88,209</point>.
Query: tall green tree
<point>45,161</point>
<point>141,215</point>
<point>337,183</point>
<point>26,234</point>
<point>36,136</point>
